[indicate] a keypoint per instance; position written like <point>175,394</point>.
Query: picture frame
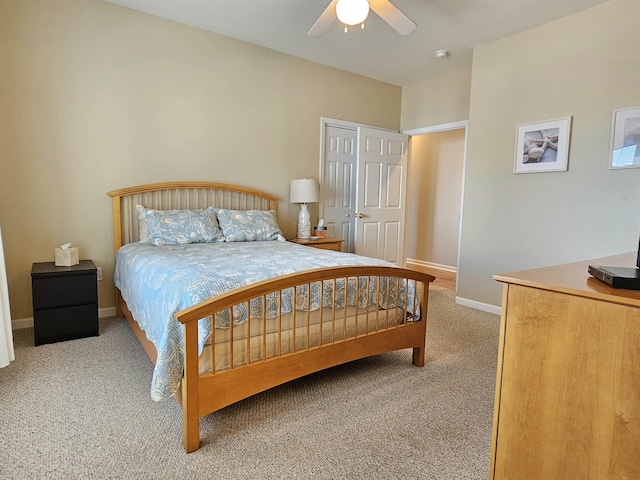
<point>624,151</point>
<point>543,146</point>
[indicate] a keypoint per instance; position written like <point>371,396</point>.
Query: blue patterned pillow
<point>249,225</point>
<point>178,227</point>
<point>143,230</point>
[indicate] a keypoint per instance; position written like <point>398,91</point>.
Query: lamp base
<point>304,222</point>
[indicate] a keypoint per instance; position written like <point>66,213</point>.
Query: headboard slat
<point>179,195</point>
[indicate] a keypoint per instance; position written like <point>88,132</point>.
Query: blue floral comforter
<point>158,281</point>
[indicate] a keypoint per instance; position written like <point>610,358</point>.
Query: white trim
<point>107,312</point>
<point>20,323</point>
<point>444,127</point>
<point>464,179</point>
<point>447,268</point>
<point>485,307</point>
<point>334,122</point>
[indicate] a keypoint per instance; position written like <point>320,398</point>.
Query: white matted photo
<point>625,138</point>
<point>543,146</point>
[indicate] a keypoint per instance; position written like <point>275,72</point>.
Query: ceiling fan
<point>354,12</point>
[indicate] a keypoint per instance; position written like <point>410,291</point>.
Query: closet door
<point>339,184</point>
<point>364,177</point>
<point>381,194</point>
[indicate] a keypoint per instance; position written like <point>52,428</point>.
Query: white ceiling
<point>377,51</point>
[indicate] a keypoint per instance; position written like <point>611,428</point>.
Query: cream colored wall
<point>97,97</point>
<point>433,197</point>
<point>437,101</point>
<point>585,65</point>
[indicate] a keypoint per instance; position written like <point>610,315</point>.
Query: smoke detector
<point>442,53</point>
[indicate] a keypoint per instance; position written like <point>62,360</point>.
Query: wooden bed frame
<point>201,394</point>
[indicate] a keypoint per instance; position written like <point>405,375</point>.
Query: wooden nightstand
<point>324,243</point>
<point>65,301</point>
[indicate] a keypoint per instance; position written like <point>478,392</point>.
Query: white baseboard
<point>106,312</point>
<point>485,307</point>
<point>20,323</point>
<point>447,268</point>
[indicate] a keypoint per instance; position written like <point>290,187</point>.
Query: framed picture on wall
<point>625,138</point>
<point>543,146</point>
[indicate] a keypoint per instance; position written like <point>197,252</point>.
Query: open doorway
<point>434,200</point>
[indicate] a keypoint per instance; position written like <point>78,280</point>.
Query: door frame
<point>444,127</point>
<point>334,122</point>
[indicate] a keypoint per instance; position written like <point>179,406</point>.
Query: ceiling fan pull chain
<point>354,12</point>
<point>346,29</point>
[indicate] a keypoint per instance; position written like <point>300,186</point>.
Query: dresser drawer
<point>54,292</point>
<point>58,324</point>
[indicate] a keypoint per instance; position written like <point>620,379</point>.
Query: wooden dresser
<point>567,400</point>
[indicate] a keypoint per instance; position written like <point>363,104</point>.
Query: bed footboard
<point>335,316</point>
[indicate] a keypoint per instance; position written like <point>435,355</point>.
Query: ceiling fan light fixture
<point>352,12</point>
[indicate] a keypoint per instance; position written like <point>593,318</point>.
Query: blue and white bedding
<point>158,281</point>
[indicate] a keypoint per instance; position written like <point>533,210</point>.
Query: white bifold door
<point>364,179</point>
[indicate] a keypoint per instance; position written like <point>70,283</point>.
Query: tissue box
<point>320,231</point>
<point>67,257</point>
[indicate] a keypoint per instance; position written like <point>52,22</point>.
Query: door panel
<point>396,148</point>
<point>372,184</point>
<point>348,179</point>
<point>370,238</point>
<point>392,238</point>
<point>394,186</point>
<point>373,145</point>
<point>381,193</point>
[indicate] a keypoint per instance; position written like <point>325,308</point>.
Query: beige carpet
<point>81,409</point>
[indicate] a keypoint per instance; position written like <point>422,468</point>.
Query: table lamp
<point>304,191</point>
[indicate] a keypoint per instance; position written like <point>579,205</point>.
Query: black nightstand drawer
<point>64,291</point>
<point>57,324</point>
<point>65,301</point>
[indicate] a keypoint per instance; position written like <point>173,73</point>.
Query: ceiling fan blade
<point>394,17</point>
<point>324,21</point>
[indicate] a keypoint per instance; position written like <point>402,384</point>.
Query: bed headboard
<point>179,195</point>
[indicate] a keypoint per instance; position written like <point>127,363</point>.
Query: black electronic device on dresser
<point>619,277</point>
<point>65,301</point>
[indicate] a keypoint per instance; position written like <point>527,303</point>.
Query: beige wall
<point>438,101</point>
<point>433,197</point>
<point>96,97</point>
<point>583,66</point>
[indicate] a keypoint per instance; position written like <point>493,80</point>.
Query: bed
<point>225,314</point>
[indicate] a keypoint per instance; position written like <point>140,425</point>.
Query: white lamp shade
<point>304,190</point>
<point>352,12</point>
